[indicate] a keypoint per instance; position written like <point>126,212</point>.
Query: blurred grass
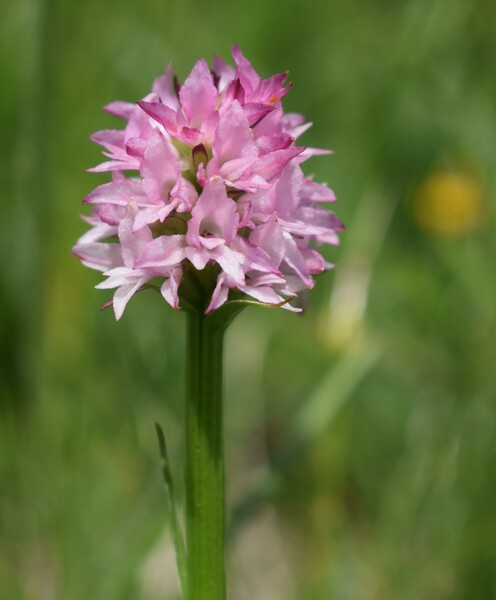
<point>382,396</point>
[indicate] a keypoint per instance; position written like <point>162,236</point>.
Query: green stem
<point>205,520</point>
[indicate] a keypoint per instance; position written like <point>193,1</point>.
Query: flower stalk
<point>205,497</point>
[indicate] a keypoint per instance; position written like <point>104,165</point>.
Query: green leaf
<point>177,534</point>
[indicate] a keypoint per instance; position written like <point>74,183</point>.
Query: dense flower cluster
<point>208,174</point>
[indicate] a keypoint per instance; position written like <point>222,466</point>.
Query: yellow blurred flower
<point>449,203</point>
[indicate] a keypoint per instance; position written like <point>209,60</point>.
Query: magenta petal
<point>191,135</point>
<point>234,169</point>
<point>111,139</point>
<point>214,215</point>
<point>271,123</point>
<point>316,192</point>
<point>211,242</point>
<point>315,261</point>
<point>270,237</point>
<point>292,120</point>
<point>98,232</point>
<point>162,87</point>
<point>294,258</point>
<point>255,257</point>
<point>297,131</point>
<point>198,95</point>
<point>111,213</point>
<point>256,112</point>
<point>159,168</point>
<point>309,152</point>
<point>252,183</point>
<point>162,114</point>
<point>152,214</point>
<point>234,91</point>
<point>209,126</point>
<point>294,309</point>
<point>164,251</point>
<point>247,75</point>
<point>271,143</point>
<point>185,194</point>
<point>234,138</point>
<point>132,242</point>
<point>262,202</point>
<point>272,164</point>
<point>198,257</point>
<point>266,279</point>
<point>219,295</point>
<point>314,221</point>
<point>224,73</point>
<point>230,262</point>
<point>170,287</point>
<point>271,90</point>
<point>329,237</point>
<point>123,295</point>
<point>136,147</point>
<point>118,276</point>
<point>288,190</point>
<point>116,192</point>
<point>97,255</point>
<point>131,164</point>
<point>124,110</point>
<point>263,294</point>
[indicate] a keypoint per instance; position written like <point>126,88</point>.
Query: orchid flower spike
<point>207,190</point>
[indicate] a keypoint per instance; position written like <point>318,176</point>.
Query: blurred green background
<point>361,438</point>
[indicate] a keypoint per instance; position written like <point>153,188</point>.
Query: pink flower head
<point>207,192</point>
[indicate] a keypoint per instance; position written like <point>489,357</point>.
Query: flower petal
<point>123,295</point>
<point>249,78</point>
<point>164,251</point>
<point>234,138</point>
<point>159,168</point>
<point>198,95</point>
<point>164,115</point>
<point>214,214</point>
<point>219,295</point>
<point>170,287</point>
